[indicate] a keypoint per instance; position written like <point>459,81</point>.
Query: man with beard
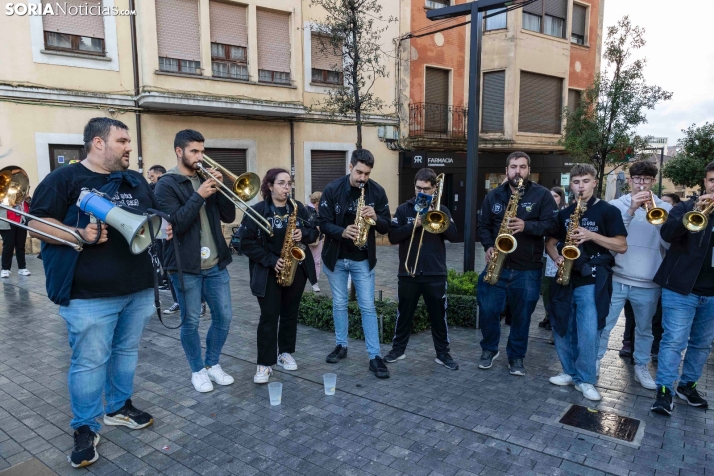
<point>197,265</point>
<point>108,299</point>
<point>519,282</point>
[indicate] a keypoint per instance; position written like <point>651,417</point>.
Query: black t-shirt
<point>704,286</point>
<point>108,269</point>
<point>348,250</point>
<point>601,218</point>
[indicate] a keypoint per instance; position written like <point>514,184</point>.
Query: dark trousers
<point>278,318</point>
<point>520,289</point>
<point>13,240</point>
<point>434,294</point>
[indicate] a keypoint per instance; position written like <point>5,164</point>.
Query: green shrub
<point>462,284</point>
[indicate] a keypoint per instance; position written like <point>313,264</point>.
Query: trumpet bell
<point>505,243</point>
<point>657,216</point>
<point>695,221</point>
<point>246,186</point>
<point>435,221</point>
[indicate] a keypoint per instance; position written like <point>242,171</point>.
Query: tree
<point>603,126</point>
<point>350,32</point>
<point>695,151</point>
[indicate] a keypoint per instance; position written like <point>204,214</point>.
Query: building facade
<point>535,61</point>
<point>243,73</point>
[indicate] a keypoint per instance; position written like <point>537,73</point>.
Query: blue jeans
<point>214,285</point>
<point>644,304</point>
<point>577,349</point>
<point>104,334</point>
<point>688,323</point>
<point>363,279</point>
<point>521,290</point>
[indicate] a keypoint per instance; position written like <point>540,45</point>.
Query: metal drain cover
<point>602,423</point>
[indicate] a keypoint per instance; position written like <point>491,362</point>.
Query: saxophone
<point>570,251</point>
<point>363,223</point>
<point>292,253</point>
<point>505,242</point>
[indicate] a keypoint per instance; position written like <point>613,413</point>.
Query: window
<point>546,16</point>
<point>436,97</point>
<point>326,61</point>
<point>436,4</point>
<point>279,77</point>
<point>229,40</point>
<point>540,104</point>
<point>573,100</point>
<point>494,86</point>
<point>177,27</point>
<point>234,160</point>
<point>273,47</point>
<point>66,42</point>
<point>175,65</point>
<point>326,166</point>
<point>577,34</point>
<point>76,33</point>
<point>326,77</point>
<point>497,21</point>
<point>61,155</point>
<point>229,61</point>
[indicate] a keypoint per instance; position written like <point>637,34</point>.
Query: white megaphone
<point>133,227</point>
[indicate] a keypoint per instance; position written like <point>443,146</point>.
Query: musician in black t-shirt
<point>104,292</point>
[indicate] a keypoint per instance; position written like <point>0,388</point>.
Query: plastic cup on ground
<point>275,390</point>
<point>330,381</point>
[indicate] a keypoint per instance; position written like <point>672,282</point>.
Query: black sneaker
<point>129,416</point>
<point>336,355</point>
<point>626,350</point>
<point>663,404</point>
<point>688,392</point>
<point>377,366</point>
<point>393,356</point>
<point>85,447</point>
<point>516,367</point>
<point>487,358</point>
<point>446,361</point>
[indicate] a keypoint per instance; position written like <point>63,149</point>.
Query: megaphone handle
<point>93,219</point>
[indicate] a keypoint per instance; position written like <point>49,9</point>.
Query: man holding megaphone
<point>104,291</point>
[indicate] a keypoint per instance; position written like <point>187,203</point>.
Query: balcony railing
<point>437,121</point>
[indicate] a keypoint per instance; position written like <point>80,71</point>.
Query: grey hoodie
<point>645,247</point>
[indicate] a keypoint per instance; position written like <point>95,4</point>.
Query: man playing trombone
<point>422,269</point>
<point>687,279</point>
<point>197,266</point>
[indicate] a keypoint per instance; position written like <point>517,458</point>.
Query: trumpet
<point>434,221</point>
<point>14,186</point>
<point>245,187</point>
<point>655,215</point>
<point>697,219</point>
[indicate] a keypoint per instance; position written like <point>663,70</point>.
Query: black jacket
<point>535,208</point>
<point>432,259</point>
<point>178,200</point>
<point>334,202</point>
<point>685,257</point>
<point>255,244</point>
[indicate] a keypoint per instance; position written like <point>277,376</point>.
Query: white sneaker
<point>642,375</point>
<point>201,382</point>
<point>24,272</point>
<point>561,379</point>
<point>597,368</point>
<point>262,375</point>
<point>287,362</point>
<point>588,391</point>
<point>216,374</point>
<point>315,288</point>
<point>174,308</point>
<point>5,273</point>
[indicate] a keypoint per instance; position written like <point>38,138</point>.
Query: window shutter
<point>324,59</point>
<point>579,13</point>
<point>327,165</point>
<point>494,86</point>
<point>273,41</point>
<point>535,8</point>
<point>234,160</point>
<point>540,104</point>
<point>177,28</point>
<point>573,99</point>
<point>228,24</point>
<point>436,86</point>
<point>557,8</point>
<point>81,25</point>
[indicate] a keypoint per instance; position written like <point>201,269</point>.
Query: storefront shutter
<point>234,160</point>
<point>540,104</point>
<point>326,165</point>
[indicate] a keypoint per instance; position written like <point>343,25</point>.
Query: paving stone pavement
<point>424,420</point>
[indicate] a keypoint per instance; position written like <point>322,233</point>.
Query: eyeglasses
<point>423,189</point>
<point>284,184</point>
<point>643,179</point>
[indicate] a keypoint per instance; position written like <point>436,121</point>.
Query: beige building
<point>242,73</point>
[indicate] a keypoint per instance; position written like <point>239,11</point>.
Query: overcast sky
<point>680,58</point>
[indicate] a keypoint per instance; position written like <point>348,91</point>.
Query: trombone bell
<point>246,186</point>
<point>435,221</point>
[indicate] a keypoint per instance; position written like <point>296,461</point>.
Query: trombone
<point>14,186</point>
<point>245,187</point>
<point>697,219</point>
<point>655,215</point>
<point>434,221</point>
